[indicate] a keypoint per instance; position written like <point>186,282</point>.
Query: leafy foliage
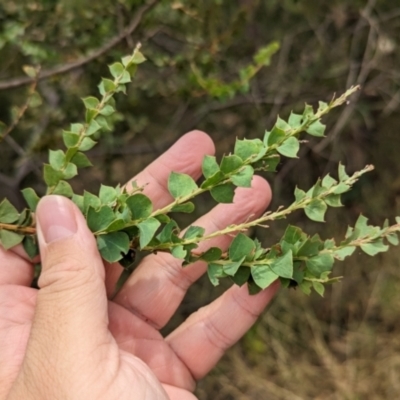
<point>125,221</point>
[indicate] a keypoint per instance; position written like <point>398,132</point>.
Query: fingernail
<point>56,218</point>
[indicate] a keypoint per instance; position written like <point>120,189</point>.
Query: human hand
<point>68,341</point>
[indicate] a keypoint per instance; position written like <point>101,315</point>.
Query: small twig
<point>62,69</point>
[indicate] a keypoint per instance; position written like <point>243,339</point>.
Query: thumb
<point>70,321</point>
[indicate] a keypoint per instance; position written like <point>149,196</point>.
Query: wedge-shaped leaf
<point>283,266</point>
<point>289,148</point>
<point>320,263</point>
<point>344,252</point>
<point>112,246</point>
<point>31,198</point>
<point>341,188</point>
<point>310,247</point>
<point>99,220</point>
<point>241,246</point>
<point>276,136</point>
<point>244,177</point>
<point>342,172</point>
<point>194,232</point>
<point>242,275</point>
<point>319,288</point>
<point>299,194</point>
<point>212,254</point>
<point>8,213</point>
<point>137,58</point>
<point>10,239</point>
<point>51,176</point>
<point>91,102</point>
<point>86,144</point>
<point>90,200</point>
<point>316,129</point>
<point>213,180</point>
<point>107,194</point>
<point>93,127</point>
<point>107,110</point>
<point>184,208</point>
<point>81,161</point>
<point>393,239</point>
<point>116,69</point>
<point>263,275</point>
<point>248,148</point>
<point>328,181</point>
<point>30,246</point>
<point>231,268</point>
<point>282,124</point>
<point>374,248</point>
<point>169,231</point>
<point>215,272</point>
<point>333,200</point>
<point>70,171</point>
<point>230,164</point>
<point>106,86</point>
<point>209,166</point>
<point>293,234</point>
<point>316,210</point>
<point>223,193</point>
<point>70,139</point>
<point>139,205</point>
<point>295,120</point>
<point>147,229</point>
<point>117,225</point>
<point>181,185</point>
<point>56,159</point>
<point>179,252</point>
<point>63,189</point>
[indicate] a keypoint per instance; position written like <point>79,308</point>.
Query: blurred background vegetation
<point>200,61</point>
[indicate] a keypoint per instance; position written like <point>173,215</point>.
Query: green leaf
<point>107,110</point>
<point>194,232</point>
<point>179,252</point>
<point>244,177</point>
<point>342,173</point>
<point>63,189</point>
<point>10,239</point>
<point>8,213</point>
<point>283,266</point>
<point>106,86</point>
<point>107,194</point>
<point>319,288</point>
<point>86,144</point>
<point>333,200</point>
<point>209,166</point>
<point>113,246</point>
<point>230,164</point>
<point>184,208</point>
<point>328,182</point>
<point>316,210</point>
<point>316,129</point>
<point>393,239</point>
<point>30,246</point>
<point>215,272</point>
<point>139,205</point>
<point>305,287</point>
<point>147,229</point>
<point>320,263</point>
<point>70,139</point>
<point>223,193</point>
<point>242,276</point>
<point>70,171</point>
<point>99,220</point>
<point>56,159</point>
<point>91,102</point>
<point>248,148</point>
<point>344,252</point>
<point>81,161</point>
<point>264,54</point>
<point>51,176</point>
<point>90,200</point>
<point>292,234</point>
<point>341,188</point>
<point>231,268</point>
<point>263,275</point>
<point>295,120</point>
<point>137,58</point>
<point>169,230</point>
<point>30,197</point>
<point>212,254</point>
<point>289,147</point>
<point>116,69</point>
<point>282,124</point>
<point>275,136</point>
<point>116,225</point>
<point>181,185</point>
<point>299,194</point>
<point>241,246</point>
<point>213,180</point>
<point>93,127</point>
<point>372,249</point>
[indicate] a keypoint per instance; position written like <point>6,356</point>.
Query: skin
<point>68,340</point>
